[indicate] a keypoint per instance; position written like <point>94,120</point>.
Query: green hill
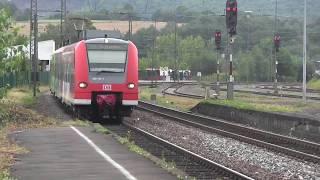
<point>259,7</point>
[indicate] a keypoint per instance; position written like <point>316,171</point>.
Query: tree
<point>10,59</point>
<point>52,32</point>
<point>143,39</point>
<point>192,54</point>
<point>287,66</point>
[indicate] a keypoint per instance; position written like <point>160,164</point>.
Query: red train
<point>97,77</point>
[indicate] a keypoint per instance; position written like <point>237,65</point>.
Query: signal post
<point>231,21</point>
<point>277,41</point>
<point>218,47</point>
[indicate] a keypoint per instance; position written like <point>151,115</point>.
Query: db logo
<point>107,87</point>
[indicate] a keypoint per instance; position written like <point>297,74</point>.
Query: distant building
<point>318,67</point>
<point>45,51</point>
<point>91,34</point>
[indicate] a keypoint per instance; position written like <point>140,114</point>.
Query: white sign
<point>107,87</point>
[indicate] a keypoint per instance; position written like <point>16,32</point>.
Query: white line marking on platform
<point>104,155</point>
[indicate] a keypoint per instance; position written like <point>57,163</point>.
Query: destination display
<point>107,47</point>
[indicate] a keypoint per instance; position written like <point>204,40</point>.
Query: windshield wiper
<point>104,71</point>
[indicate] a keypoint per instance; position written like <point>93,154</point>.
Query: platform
<point>64,153</point>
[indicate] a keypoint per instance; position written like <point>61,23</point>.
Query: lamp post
<point>304,86</point>
<point>248,16</point>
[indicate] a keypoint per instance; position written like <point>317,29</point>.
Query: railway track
<point>297,148</point>
<point>176,92</point>
<point>287,88</point>
<point>173,91</point>
<point>192,164</point>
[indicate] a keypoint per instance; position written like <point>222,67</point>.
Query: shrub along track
<point>300,149</point>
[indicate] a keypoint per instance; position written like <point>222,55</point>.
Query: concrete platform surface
<point>62,153</point>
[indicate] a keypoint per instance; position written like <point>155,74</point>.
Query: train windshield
<point>106,59</point>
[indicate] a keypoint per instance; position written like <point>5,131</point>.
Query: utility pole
<point>130,26</point>
<point>63,17</point>
<point>275,52</point>
<point>176,74</point>
<point>275,83</point>
<point>153,54</point>
<point>218,72</point>
<point>231,21</point>
<point>34,44</point>
<point>305,53</point>
<point>248,16</point>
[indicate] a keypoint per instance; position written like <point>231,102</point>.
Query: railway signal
<point>277,41</point>
<point>218,39</point>
<point>231,23</point>
<point>231,16</point>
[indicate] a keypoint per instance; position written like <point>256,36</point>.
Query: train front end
<point>107,76</point>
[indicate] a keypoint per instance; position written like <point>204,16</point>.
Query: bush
<point>4,91</point>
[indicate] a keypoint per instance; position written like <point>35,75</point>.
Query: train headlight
<point>131,85</point>
<point>83,85</point>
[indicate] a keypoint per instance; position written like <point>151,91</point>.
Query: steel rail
<point>193,96</point>
<point>290,146</point>
<point>216,167</point>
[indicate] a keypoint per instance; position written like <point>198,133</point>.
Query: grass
<point>163,163</point>
<point>77,122</point>
<point>244,105</point>
<point>100,129</point>
<point>133,147</point>
<point>5,175</point>
<point>21,96</point>
<point>247,101</point>
<point>24,96</point>
<point>314,84</point>
<point>181,103</point>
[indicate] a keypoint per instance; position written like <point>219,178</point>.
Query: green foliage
<point>5,175</point>
<point>253,50</point>
<point>4,91</point>
<point>19,14</point>
<point>314,84</point>
<point>53,31</point>
<point>11,59</point>
<point>245,105</point>
<point>100,129</point>
<point>191,54</point>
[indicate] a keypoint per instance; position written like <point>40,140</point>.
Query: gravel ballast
<point>256,162</point>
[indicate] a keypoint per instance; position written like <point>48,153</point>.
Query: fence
<point>16,79</point>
